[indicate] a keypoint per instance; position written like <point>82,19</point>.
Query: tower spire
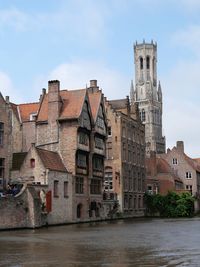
<point>132,97</point>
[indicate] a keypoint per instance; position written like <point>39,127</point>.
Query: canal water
<point>135,242</point>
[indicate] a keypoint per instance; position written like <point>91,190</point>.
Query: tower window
<point>143,115</point>
<point>141,63</point>
<point>148,62</point>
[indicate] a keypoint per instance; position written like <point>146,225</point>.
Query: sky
<point>75,41</point>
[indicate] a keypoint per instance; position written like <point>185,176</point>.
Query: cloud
<point>7,89</point>
<point>189,37</point>
<point>76,74</point>
<point>72,19</point>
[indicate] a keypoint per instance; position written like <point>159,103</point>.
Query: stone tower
<point>148,95</point>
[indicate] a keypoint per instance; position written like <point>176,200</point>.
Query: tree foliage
<point>171,205</point>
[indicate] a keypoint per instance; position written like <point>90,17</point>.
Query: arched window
<point>148,62</point>
<point>141,63</point>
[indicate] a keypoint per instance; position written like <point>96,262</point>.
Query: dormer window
<point>33,116</point>
<point>32,163</point>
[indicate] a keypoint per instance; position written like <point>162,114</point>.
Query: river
<point>134,242</point>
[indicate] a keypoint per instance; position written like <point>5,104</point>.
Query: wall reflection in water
<point>110,244</point>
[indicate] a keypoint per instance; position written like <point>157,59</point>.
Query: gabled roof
<point>27,109</point>
<point>71,105</point>
<point>193,163</point>
<point>51,160</point>
<point>95,100</point>
<point>17,160</point>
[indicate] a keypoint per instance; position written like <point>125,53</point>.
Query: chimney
<point>93,83</point>
<point>180,146</point>
<point>54,102</point>
<point>43,91</point>
<point>93,86</point>
<point>7,99</point>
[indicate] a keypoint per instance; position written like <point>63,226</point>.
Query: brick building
<point>187,169</point>
<point>161,178</point>
<point>125,162</point>
<point>73,123</point>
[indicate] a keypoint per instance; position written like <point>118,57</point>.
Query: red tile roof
<point>51,160</point>
<point>72,103</point>
<point>95,100</point>
<point>193,163</point>
<point>27,109</point>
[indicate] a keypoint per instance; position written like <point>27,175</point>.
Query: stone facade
<point>148,95</point>
<point>125,162</point>
<point>10,138</point>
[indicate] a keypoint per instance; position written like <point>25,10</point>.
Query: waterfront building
<point>148,95</point>
<point>73,123</point>
<point>187,169</point>
<point>160,177</point>
<point>125,161</point>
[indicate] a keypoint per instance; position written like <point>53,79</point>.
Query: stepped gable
<point>15,111</point>
<point>95,100</point>
<point>51,160</point>
<point>27,109</point>
<point>71,105</point>
<point>118,103</point>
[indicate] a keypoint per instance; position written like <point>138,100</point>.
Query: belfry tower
<point>148,95</point>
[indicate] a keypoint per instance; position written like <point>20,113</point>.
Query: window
<point>109,153</point>
<point>100,119</point>
<point>86,117</point>
<point>150,189</point>
<point>143,115</point>
<point>109,131</point>
<point>95,186</point>
<point>81,160</point>
<point>32,163</point>
<point>108,185</point>
<point>148,62</point>
<point>174,161</point>
<point>2,167</point>
<point>66,189</point>
<point>79,185</point>
<point>55,188</point>
<point>83,139</point>
<point>188,175</point>
<point>1,133</point>
<point>141,63</point>
<point>99,143</point>
<point>98,164</point>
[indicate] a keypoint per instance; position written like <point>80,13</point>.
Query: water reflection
<point>110,244</point>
